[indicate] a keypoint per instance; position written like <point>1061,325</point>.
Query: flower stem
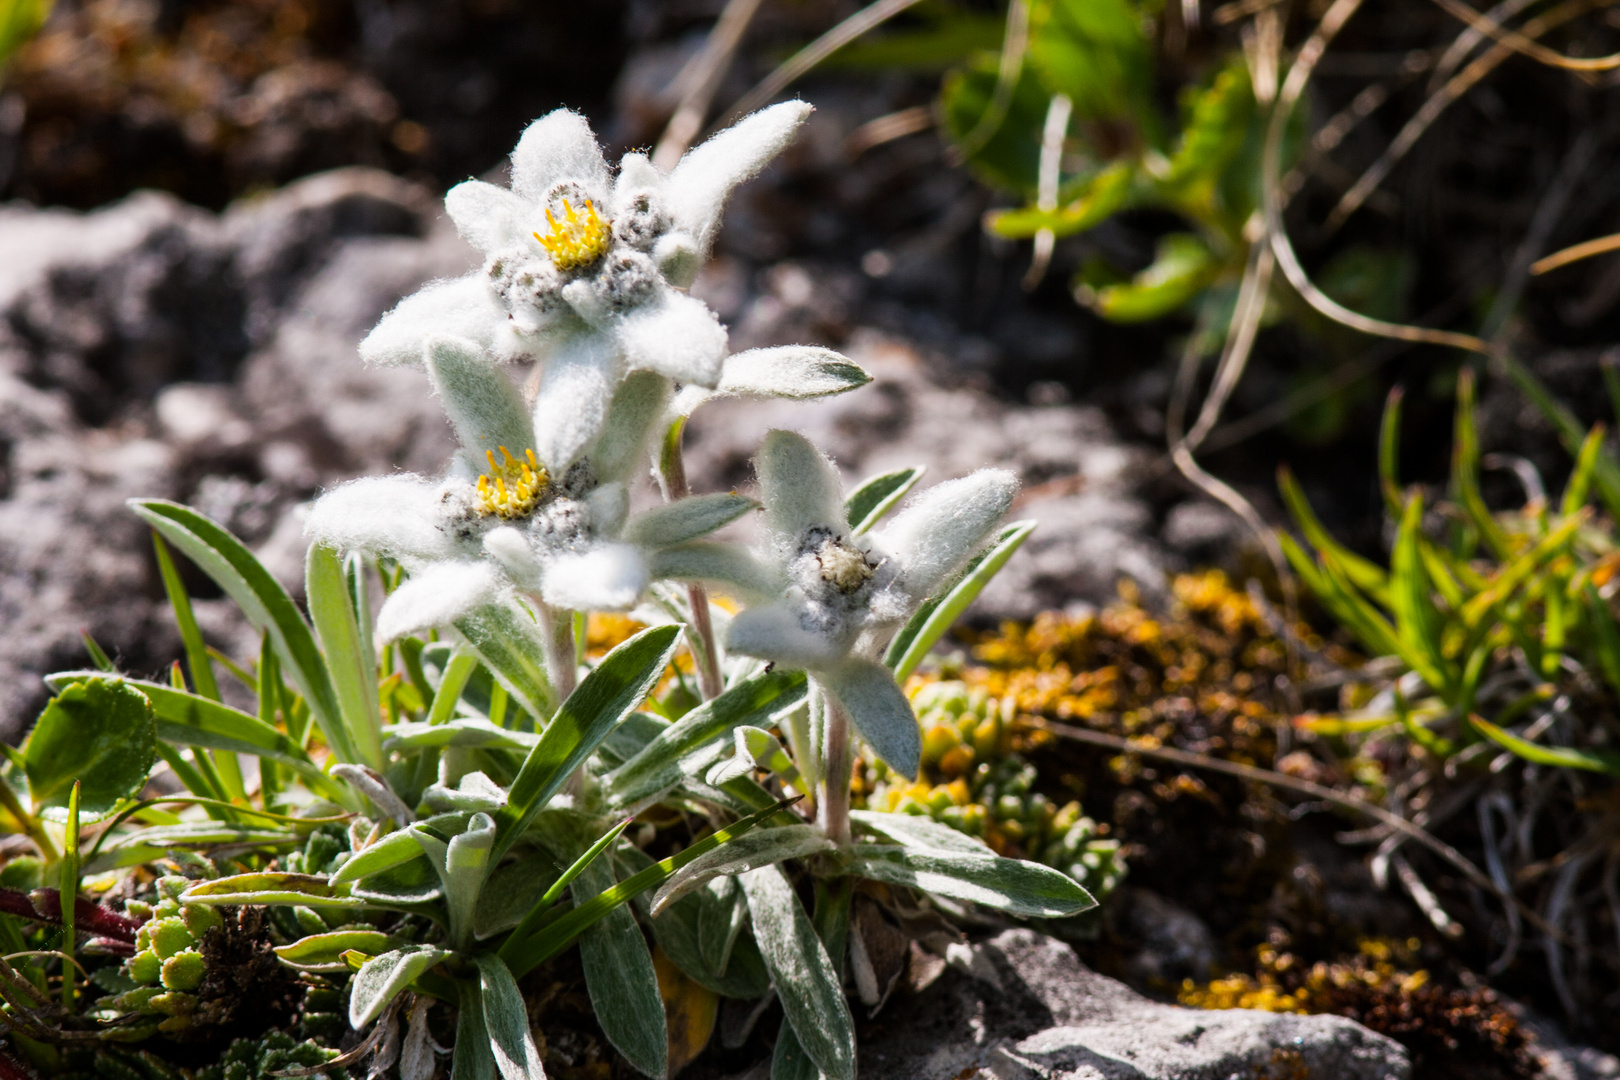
<point>672,478</point>
<point>562,656</point>
<point>833,813</point>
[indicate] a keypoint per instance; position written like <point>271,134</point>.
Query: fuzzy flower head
<point>833,598</point>
<point>499,524</point>
<point>584,268</point>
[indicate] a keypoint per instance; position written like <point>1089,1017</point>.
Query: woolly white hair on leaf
<point>879,711</point>
<point>799,372</point>
<point>575,386</point>
<point>487,217</point>
<point>483,406</point>
<point>636,406</point>
<point>719,564</point>
<point>436,596</point>
<point>946,524</point>
<point>609,505</point>
<point>800,486</point>
<point>463,307</point>
<point>636,172</point>
<point>397,516</point>
<point>608,577</point>
<point>696,190</point>
<point>774,632</point>
<point>511,549</point>
<point>558,146</point>
<point>675,335</point>
<point>687,519</point>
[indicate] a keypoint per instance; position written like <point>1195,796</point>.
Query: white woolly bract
<point>676,336</point>
<point>397,516</point>
<point>463,307</point>
<point>696,190</point>
<point>436,596</point>
<point>939,529</point>
<point>636,406</point>
<point>686,519</point>
<point>609,505</point>
<point>486,216</point>
<point>800,486</point>
<point>558,146</point>
<point>483,406</point>
<point>725,565</point>
<point>799,372</point>
<point>775,632</point>
<point>512,550</point>
<point>575,387</point>
<point>879,710</point>
<point>608,577</point>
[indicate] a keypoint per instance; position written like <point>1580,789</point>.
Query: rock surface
<point>152,349</point>
<point>1030,1010</point>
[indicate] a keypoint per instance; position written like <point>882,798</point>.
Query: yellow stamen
<point>577,240</point>
<point>511,488</point>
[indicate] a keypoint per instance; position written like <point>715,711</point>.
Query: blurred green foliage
<point>19,21</point>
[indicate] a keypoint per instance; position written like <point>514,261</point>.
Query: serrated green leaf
<point>99,732</point>
<point>1182,267</point>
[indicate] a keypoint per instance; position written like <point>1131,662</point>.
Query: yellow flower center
<point>578,239</point>
<point>511,488</point>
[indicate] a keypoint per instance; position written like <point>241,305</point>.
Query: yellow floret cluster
<point>512,488</point>
<point>579,239</point>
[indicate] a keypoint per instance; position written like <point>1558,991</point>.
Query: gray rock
<point>151,349</point>
<point>1036,1013</point>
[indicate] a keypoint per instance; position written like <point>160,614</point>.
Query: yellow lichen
<point>579,239</point>
<point>512,488</point>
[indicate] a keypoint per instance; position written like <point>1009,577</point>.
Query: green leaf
<point>620,976</point>
<point>762,847</point>
<point>554,888</point>
<point>381,979</point>
<point>1566,757</point>
<point>1100,198</point>
<point>184,719</point>
<point>1094,51</point>
<point>1605,471</point>
<point>1367,576</point>
<point>522,956</point>
<point>506,1019</point>
<point>865,506</point>
<point>1417,620</point>
<point>1605,636</point>
<point>396,849</point>
<point>1182,267</point>
<point>202,670</point>
<point>756,701</point>
<point>263,601</point>
<point>463,863</point>
<point>470,732</point>
<point>100,732</point>
<point>603,698</point>
<point>807,983</point>
<point>1580,478</point>
<point>271,888</point>
<point>1465,469</point>
<point>354,674</point>
<point>1389,446</point>
<point>941,611</point>
<point>914,830</point>
<point>324,952</point>
<point>132,849</point>
<point>68,887</point>
<point>509,643</point>
<point>1012,885</point>
<point>1217,124</point>
<point>1009,155</point>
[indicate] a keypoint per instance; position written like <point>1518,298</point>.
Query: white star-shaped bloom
<point>499,525</point>
<point>831,599</point>
<point>585,269</point>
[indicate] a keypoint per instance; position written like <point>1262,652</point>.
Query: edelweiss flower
<point>499,523</point>
<point>834,598</point>
<point>583,270</point>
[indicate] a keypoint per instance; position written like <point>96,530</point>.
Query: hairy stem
<point>672,478</point>
<point>562,655</point>
<point>833,812</point>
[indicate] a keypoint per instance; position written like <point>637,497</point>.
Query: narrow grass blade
<point>353,672</point>
<point>1602,761</point>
